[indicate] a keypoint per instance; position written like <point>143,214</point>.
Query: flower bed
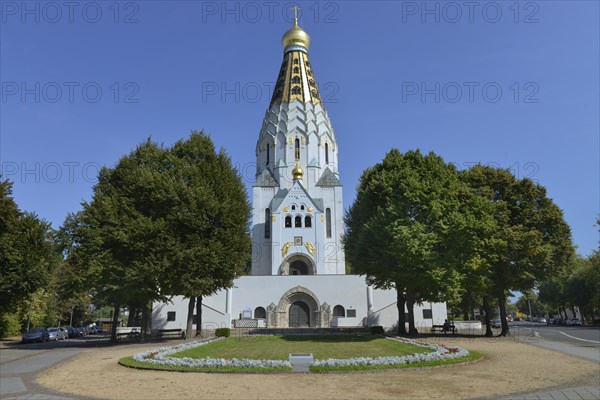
<point>439,353</point>
<point>162,357</point>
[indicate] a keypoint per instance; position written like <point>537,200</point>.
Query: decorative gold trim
<point>310,247</point>
<point>284,249</point>
<point>272,218</point>
<point>286,209</point>
<point>310,209</point>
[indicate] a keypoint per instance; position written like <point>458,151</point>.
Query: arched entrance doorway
<point>298,267</point>
<point>299,315</point>
<point>297,264</point>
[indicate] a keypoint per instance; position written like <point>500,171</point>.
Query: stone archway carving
<point>284,269</point>
<point>278,315</point>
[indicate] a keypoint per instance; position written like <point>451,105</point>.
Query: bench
<point>440,328</point>
<point>172,333</point>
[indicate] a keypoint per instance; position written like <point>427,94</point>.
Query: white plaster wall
<point>214,313</point>
<point>385,311</point>
<point>350,291</point>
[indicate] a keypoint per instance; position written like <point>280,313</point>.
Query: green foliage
<point>530,240</point>
<point>529,297</point>
<point>222,332</point>
<point>377,330</point>
<point>162,222</point>
<point>9,324</point>
<point>27,252</point>
<point>400,224</point>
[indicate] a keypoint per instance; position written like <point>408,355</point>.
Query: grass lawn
<point>321,347</point>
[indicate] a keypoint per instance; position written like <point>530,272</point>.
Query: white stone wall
<point>250,292</point>
<point>282,125</point>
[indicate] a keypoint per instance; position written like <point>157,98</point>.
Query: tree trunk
<point>199,316</point>
<point>502,306</point>
<point>144,324</point>
<point>486,317</point>
<point>115,321</point>
<point>148,324</point>
<point>410,306</point>
<point>400,303</point>
<point>190,318</point>
<point>132,314</point>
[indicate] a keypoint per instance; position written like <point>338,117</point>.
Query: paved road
<point>573,334</point>
<point>20,363</point>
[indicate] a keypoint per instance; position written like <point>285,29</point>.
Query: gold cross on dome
<point>296,8</point>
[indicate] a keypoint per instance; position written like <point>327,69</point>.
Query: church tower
<point>297,197</point>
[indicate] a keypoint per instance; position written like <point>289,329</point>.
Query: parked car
<point>35,335</point>
<point>95,330</point>
<point>72,333</point>
<point>496,323</point>
<point>541,320</point>
<point>55,333</point>
<point>517,319</point>
<point>573,322</point>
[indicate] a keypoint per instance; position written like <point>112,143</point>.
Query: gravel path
<point>509,368</point>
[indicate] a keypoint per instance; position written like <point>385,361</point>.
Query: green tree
<point>532,239</point>
<point>118,245</point>
<point>528,298</point>
<point>27,252</point>
<point>582,287</point>
<point>209,227</point>
<point>162,222</point>
<point>398,226</point>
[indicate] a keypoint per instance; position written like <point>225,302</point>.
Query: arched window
<point>298,222</point>
<point>293,207</point>
<point>268,153</point>
<point>296,90</point>
<point>328,222</point>
<point>326,153</point>
<point>296,70</point>
<point>267,223</point>
<point>297,149</point>
<point>339,311</point>
<point>307,221</point>
<point>288,221</point>
<point>295,61</point>
<point>302,207</point>
<point>296,79</point>
<point>260,313</point>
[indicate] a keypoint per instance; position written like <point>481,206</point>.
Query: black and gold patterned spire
<point>296,80</point>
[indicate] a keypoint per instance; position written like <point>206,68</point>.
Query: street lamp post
<point>530,315</point>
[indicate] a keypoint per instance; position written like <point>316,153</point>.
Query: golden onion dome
<point>295,36</point>
<point>297,172</point>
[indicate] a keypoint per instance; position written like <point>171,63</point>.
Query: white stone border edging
<point>162,355</point>
<point>439,353</point>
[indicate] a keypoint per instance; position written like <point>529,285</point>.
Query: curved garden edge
<point>124,362</point>
<point>127,362</point>
<point>159,360</point>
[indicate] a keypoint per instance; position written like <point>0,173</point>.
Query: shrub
<point>377,330</point>
<point>222,332</point>
<point>9,325</point>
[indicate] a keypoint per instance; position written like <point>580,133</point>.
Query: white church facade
<point>298,267</point>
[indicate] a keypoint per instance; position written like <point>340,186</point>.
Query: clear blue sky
<point>166,68</point>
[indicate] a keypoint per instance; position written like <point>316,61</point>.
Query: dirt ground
<point>508,367</point>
